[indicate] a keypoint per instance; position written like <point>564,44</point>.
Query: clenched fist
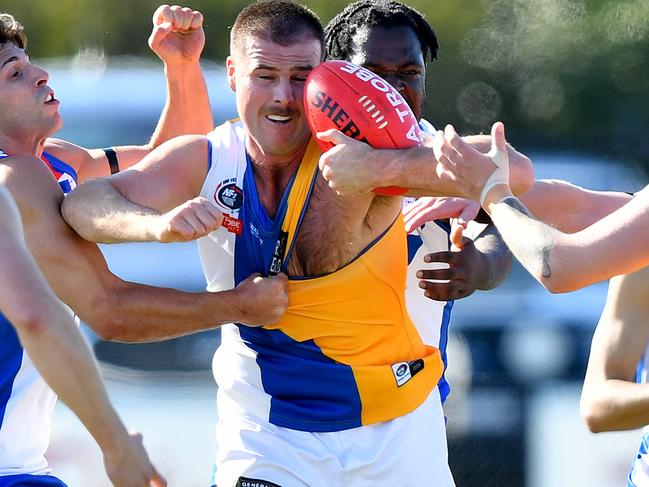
<point>191,220</point>
<point>177,34</point>
<point>263,300</point>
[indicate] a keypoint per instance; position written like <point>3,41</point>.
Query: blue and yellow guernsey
<point>346,353</point>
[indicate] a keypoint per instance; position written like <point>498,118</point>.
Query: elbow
<point>75,215</point>
<point>105,321</point>
<point>31,321</point>
<point>560,283</point>
<point>107,329</point>
<point>592,415</point>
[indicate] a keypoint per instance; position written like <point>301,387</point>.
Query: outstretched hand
<point>177,34</point>
<point>475,174</point>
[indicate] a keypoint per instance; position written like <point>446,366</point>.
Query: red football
<point>362,105</point>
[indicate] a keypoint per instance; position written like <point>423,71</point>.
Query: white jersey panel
<point>234,364</point>
<point>225,175</point>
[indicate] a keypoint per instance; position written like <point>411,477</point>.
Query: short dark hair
<point>283,22</point>
<point>12,31</point>
<point>341,29</point>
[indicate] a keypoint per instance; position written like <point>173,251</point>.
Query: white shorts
<point>410,450</point>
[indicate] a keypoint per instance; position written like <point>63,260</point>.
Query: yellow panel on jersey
<point>357,319</point>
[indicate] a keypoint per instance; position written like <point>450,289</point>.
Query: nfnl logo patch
<point>229,195</point>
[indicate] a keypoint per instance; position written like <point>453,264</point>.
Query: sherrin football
<point>363,106</point>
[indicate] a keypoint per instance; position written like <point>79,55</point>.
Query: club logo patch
<point>404,371</point>
<point>229,195</point>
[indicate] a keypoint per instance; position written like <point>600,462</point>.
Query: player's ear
<point>229,67</point>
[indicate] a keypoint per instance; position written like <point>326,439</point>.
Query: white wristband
<point>500,176</point>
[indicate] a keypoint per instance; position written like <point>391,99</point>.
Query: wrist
<point>181,68</point>
<point>496,195</point>
<point>111,435</point>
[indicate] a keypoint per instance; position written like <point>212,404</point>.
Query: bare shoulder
<point>32,186</point>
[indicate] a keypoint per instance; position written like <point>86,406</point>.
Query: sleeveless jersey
<point>346,353</point>
<point>26,401</point>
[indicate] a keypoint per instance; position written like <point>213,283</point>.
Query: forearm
<point>616,405</point>
<point>496,257</point>
<point>415,169</point>
<point>99,213</point>
<point>187,109</point>
<point>64,360</point>
<point>137,313</point>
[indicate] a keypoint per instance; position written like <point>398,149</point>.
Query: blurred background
<point>571,80</point>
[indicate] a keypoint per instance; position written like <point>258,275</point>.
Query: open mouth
<point>279,118</point>
<point>50,98</point>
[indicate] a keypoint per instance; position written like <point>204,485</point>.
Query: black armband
<point>113,163</point>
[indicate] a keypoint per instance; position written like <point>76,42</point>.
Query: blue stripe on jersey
<point>209,155</point>
<point>254,248</point>
<point>443,385</point>
<point>414,242</point>
<point>639,369</point>
<point>25,480</point>
<point>62,167</point>
<point>288,366</point>
<point>11,357</point>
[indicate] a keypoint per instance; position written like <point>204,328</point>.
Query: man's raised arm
<point>178,39</point>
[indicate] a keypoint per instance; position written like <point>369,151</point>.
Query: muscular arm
<point>115,309</point>
<point>564,262</point>
<point>134,205</point>
<point>610,398</point>
<point>570,208</point>
<point>354,167</point>
<point>178,39</point>
<point>56,348</point>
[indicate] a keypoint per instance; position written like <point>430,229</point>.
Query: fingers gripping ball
<point>363,106</point>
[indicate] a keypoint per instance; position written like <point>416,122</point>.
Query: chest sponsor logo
<point>232,225</point>
<point>229,195</point>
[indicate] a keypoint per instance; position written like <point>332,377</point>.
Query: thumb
<point>468,213</point>
<point>456,236</point>
<point>498,141</point>
<point>159,32</point>
<point>334,136</point>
